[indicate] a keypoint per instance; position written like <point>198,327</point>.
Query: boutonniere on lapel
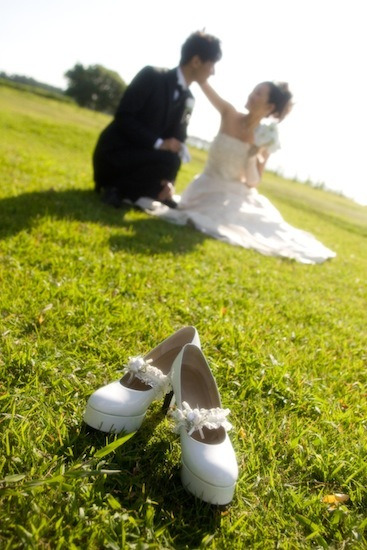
<point>189,105</point>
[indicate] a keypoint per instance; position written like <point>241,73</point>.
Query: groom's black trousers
<point>134,172</point>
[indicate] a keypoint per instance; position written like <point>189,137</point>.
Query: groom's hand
<point>171,144</point>
<point>167,191</point>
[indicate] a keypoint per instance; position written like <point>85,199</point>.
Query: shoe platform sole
<point>206,491</point>
<point>111,423</point>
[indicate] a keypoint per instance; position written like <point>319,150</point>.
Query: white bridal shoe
<point>209,465</point>
<point>122,405</point>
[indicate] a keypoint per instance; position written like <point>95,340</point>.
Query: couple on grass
<point>138,156</point>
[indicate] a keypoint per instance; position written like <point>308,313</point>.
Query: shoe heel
<point>212,494</point>
<point>169,401</point>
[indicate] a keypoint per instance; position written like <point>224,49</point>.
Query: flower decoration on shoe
<point>122,405</point>
<point>148,374</point>
<point>197,419</point>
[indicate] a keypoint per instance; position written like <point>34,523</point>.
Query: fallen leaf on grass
<point>41,317</point>
<point>335,500</point>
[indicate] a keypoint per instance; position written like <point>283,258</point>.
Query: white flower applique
<point>196,419</point>
<point>266,135</point>
<point>189,106</point>
<point>148,374</point>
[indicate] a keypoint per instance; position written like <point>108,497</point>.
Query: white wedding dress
<point>221,203</point>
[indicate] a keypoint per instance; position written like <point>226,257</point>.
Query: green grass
<point>83,287</point>
<point>37,89</point>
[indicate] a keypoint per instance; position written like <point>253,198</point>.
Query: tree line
<point>93,87</point>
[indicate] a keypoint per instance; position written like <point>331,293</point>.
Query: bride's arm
<point>261,158</point>
<point>255,167</point>
<point>218,102</point>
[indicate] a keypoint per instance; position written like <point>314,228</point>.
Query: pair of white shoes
<point>209,466</point>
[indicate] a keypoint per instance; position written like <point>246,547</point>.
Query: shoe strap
<point>148,374</point>
<point>197,419</point>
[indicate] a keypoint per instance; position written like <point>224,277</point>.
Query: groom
<point>140,151</point>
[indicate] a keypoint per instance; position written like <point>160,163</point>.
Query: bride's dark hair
<point>281,97</point>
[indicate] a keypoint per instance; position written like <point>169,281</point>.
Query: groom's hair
<point>205,46</point>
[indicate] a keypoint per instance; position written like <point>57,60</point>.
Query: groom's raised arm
<point>218,102</point>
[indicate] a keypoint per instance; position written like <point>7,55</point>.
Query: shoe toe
<point>213,463</point>
<point>118,400</point>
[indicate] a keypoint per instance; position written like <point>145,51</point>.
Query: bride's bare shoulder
<point>232,122</point>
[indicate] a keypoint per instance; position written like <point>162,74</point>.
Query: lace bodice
<point>231,159</point>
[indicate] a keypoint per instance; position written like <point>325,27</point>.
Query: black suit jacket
<point>148,111</point>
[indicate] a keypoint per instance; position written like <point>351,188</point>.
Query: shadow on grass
<point>149,465</point>
<point>146,235</point>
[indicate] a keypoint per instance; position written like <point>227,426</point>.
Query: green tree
<point>95,87</point>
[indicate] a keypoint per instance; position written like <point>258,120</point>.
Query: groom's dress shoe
<point>170,203</point>
<point>112,197</point>
<point>122,405</point>
<point>209,466</point>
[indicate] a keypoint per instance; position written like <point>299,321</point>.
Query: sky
<point>317,46</point>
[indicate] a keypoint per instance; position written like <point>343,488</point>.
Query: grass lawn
<point>83,287</point>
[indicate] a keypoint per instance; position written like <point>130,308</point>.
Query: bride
<point>223,201</point>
